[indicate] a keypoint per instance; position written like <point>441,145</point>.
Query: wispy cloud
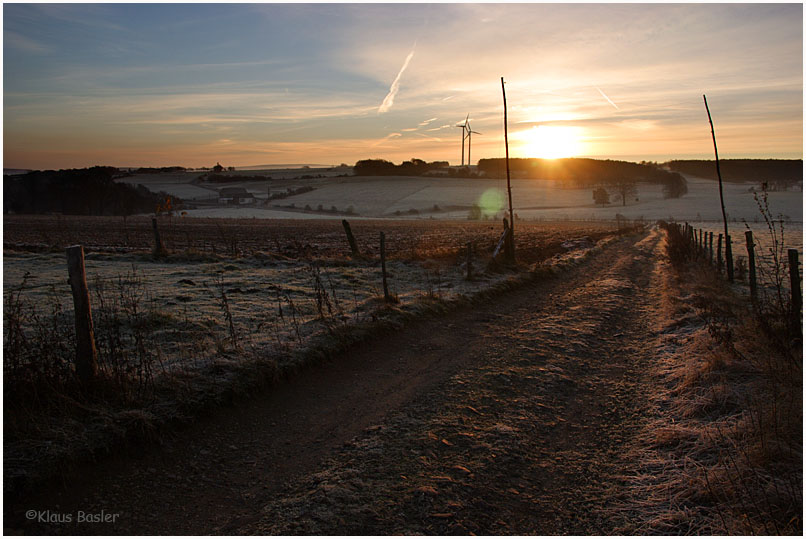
<point>24,44</point>
<point>389,100</point>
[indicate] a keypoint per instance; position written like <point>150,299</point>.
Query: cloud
<point>389,100</point>
<point>25,44</point>
<point>426,122</point>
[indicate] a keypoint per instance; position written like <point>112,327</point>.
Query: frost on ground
<point>452,198</point>
<point>527,440</point>
<point>721,448</point>
<point>579,425</point>
<point>196,328</point>
<point>596,402</point>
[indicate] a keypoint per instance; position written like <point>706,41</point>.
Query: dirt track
<point>508,418</point>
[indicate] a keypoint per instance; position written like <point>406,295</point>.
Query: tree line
<point>382,167</point>
<point>778,174</point>
<point>606,177</point>
<point>86,191</point>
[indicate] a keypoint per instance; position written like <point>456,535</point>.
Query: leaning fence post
<point>386,296</point>
<point>794,282</point>
<point>351,238</point>
<point>751,263</point>
<point>719,254</point>
<point>159,248</point>
<point>86,354</point>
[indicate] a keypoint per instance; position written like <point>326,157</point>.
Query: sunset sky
<point>252,84</point>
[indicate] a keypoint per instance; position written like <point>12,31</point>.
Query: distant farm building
<point>235,196</point>
<point>218,168</point>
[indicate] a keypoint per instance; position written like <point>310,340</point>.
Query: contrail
<point>389,100</point>
<point>608,99</point>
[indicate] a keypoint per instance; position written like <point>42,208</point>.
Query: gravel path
<point>508,418</point>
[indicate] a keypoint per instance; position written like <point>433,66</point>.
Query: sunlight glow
<point>550,142</point>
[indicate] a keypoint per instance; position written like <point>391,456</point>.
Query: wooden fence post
<point>86,354</point>
<point>751,263</point>
<point>159,248</point>
<point>794,282</point>
<point>729,257</point>
<point>719,253</point>
<point>351,239</point>
<point>386,297</point>
<point>469,260</point>
<point>711,247</point>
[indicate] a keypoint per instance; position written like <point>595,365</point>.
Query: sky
<point>254,84</point>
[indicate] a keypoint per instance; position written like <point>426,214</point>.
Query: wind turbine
<point>464,136</point>
<point>469,133</point>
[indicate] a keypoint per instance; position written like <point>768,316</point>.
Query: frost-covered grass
<point>273,301</point>
<point>193,329</point>
<point>721,453</point>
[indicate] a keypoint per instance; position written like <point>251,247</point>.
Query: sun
<point>550,142</point>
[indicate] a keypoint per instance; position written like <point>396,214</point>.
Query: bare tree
<point>624,188</point>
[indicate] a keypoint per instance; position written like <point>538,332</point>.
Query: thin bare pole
<point>509,186</point>
<point>728,254</point>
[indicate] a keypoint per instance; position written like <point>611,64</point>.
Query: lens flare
<point>491,202</point>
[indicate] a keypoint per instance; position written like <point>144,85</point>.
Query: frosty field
<point>266,285</point>
<point>452,198</point>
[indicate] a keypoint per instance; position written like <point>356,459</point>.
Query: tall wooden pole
<point>728,253</point>
<point>509,186</point>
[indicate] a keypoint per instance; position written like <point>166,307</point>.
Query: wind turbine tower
<point>469,133</point>
<point>464,136</point>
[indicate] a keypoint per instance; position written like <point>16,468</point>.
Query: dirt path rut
<point>507,418</point>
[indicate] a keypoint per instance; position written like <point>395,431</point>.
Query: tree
<point>601,196</point>
<point>624,188</point>
<point>674,186</point>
